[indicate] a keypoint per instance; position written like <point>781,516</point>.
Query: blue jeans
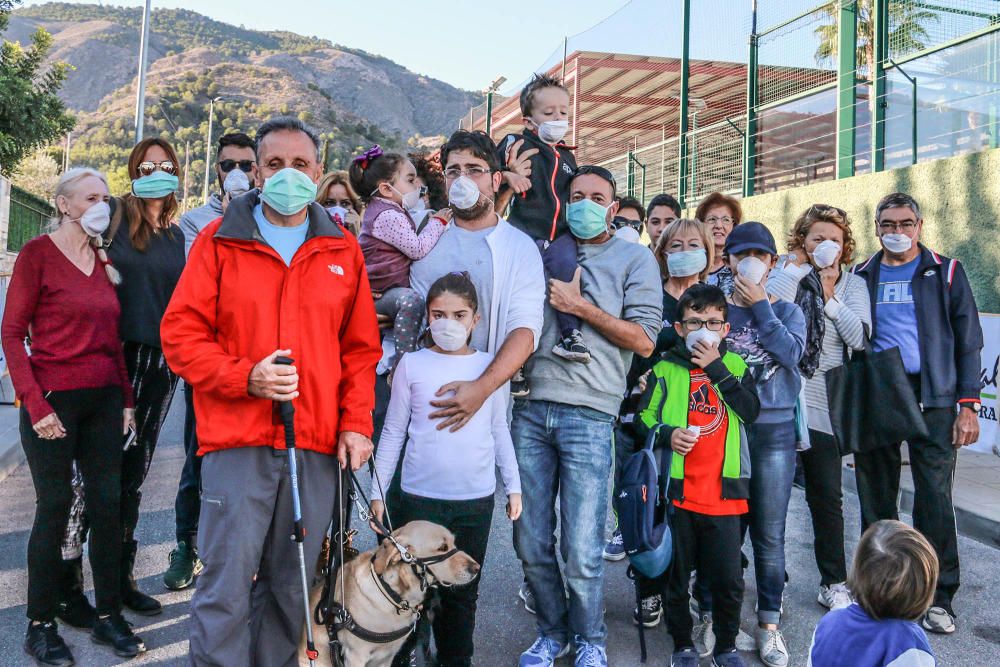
<point>772,468</point>
<point>564,449</point>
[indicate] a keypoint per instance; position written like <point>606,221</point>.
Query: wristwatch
<point>972,405</point>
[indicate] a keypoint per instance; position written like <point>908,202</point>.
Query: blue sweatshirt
<point>851,638</point>
<point>771,337</point>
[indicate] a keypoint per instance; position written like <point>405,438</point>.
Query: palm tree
<point>907,33</point>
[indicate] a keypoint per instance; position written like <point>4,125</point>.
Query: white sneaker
<point>837,596</point>
<point>704,636</point>
<point>771,648</point>
<point>938,620</point>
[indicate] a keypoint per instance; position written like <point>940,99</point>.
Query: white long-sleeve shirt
<point>442,464</point>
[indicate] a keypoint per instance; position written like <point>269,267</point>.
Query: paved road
<point>504,627</point>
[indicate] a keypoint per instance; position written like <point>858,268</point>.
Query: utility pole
<point>66,161</point>
<point>187,161</point>
<point>499,81</point>
<point>208,145</point>
<point>140,97</point>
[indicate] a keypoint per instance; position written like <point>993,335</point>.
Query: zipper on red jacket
<point>555,195</point>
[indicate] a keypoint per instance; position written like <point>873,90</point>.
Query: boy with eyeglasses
<point>702,394</point>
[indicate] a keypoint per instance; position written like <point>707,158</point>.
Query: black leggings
<point>93,422</point>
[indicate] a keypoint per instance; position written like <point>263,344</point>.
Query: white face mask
<point>463,193</point>
<point>95,220</point>
<point>825,254</point>
<point>627,233</point>
<point>687,262</point>
<point>338,213</point>
<point>552,131</point>
<point>702,334</point>
<point>410,199</point>
<point>449,335</point>
<point>236,183</point>
<point>897,243</point>
<point>752,269</point>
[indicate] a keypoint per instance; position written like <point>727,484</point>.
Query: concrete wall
<point>959,198</point>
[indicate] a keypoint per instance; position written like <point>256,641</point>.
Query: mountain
<point>352,97</point>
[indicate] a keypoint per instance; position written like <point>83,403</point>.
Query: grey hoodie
<point>197,219</point>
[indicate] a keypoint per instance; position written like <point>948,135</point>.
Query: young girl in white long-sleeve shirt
<point>448,477</point>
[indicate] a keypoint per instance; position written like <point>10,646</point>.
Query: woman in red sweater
<point>76,402</point>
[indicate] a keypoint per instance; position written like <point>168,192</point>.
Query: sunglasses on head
<point>600,172</point>
<point>227,166</point>
<point>148,167</point>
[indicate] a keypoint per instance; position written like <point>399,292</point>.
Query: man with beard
<point>505,267</point>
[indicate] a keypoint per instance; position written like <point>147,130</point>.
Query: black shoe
<point>43,643</point>
<point>115,631</point>
<point>75,609</point>
<point>132,597</point>
<point>519,385</point>
<point>650,612</point>
<point>572,348</point>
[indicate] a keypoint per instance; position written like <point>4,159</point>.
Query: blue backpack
<point>643,511</point>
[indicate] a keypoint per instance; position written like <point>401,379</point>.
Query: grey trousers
<point>244,529</point>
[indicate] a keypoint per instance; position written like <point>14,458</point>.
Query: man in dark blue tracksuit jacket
<point>922,303</point>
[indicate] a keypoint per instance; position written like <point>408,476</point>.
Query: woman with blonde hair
<point>836,305</point>
<point>335,194</point>
<point>76,401</point>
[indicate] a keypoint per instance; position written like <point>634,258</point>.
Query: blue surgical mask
<point>288,191</point>
<point>587,219</point>
<point>686,262</point>
<point>157,185</point>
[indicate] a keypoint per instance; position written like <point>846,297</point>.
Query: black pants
<point>188,503</point>
<point>153,384</point>
<point>712,545</point>
<point>822,466</point>
<point>560,262</point>
<point>469,520</point>
<point>93,422</point>
<point>932,463</point>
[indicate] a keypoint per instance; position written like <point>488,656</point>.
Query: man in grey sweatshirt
<point>562,432</point>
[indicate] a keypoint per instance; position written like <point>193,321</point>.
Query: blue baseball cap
<point>750,236</point>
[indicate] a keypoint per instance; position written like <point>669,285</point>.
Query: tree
<point>907,33</point>
<point>31,114</point>
<point>38,174</point>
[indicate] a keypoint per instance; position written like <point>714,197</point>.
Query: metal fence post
<point>630,173</point>
<point>750,137</point>
<point>682,177</point>
<point>880,39</point>
<point>847,81</point>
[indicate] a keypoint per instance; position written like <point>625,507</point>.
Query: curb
<point>970,524</point>
<point>11,452</point>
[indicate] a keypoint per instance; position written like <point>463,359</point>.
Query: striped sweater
<point>848,321</point>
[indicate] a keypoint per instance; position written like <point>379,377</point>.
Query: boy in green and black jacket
<point>703,395</point>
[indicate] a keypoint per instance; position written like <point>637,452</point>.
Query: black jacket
<point>541,211</point>
<point>948,328</point>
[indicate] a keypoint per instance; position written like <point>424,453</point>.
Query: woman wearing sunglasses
<point>146,246</point>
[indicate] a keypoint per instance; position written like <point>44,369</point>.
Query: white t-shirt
<point>441,464</point>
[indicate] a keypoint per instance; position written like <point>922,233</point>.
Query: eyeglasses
<point>618,223</point>
<point>600,172</point>
<point>694,324</point>
<point>716,220</point>
<point>147,167</point>
<point>905,226</point>
<point>471,172</point>
<point>228,165</point>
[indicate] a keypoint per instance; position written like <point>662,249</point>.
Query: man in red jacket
<point>275,276</point>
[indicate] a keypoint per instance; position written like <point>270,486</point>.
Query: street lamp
<point>499,81</point>
<point>208,144</point>
<point>140,96</point>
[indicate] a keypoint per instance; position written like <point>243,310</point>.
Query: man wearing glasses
<point>922,303</point>
<point>505,268</point>
<point>236,151</point>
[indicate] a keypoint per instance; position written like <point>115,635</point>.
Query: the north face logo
<point>336,268</point>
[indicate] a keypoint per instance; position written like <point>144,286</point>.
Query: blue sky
<point>465,43</point>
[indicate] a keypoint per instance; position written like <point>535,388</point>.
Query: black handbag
<point>872,403</point>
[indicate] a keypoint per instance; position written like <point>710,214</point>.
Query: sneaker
<point>704,636</point>
<point>590,655</point>
<point>938,620</point>
<point>837,596</point>
<point>685,658</point>
<point>184,567</point>
<point>543,653</point>
<point>728,659</point>
<point>43,643</point>
<point>519,385</point>
<point>614,550</point>
<point>771,647</point>
<point>524,592</point>
<point>651,611</point>
<point>572,348</point>
<point>116,632</point>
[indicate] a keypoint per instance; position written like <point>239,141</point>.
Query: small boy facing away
<point>538,192</point>
<point>893,579</point>
<point>703,395</point>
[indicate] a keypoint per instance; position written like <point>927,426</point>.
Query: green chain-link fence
<point>28,217</point>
